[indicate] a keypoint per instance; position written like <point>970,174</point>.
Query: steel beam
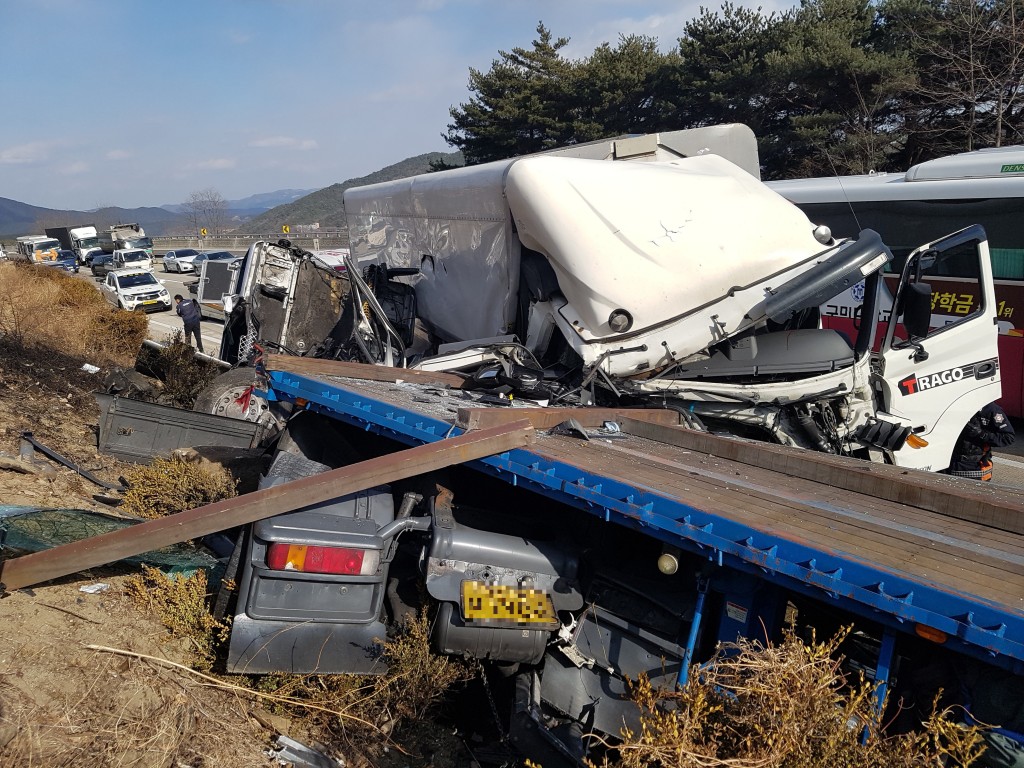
<point>221,515</point>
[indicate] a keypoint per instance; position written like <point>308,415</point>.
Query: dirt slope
<point>62,704</point>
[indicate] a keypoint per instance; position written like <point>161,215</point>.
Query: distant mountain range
<point>263,212</point>
<point>325,206</point>
<point>253,205</point>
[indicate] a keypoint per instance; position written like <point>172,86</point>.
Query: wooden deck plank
<point>987,576</point>
<point>881,510</point>
<point>309,366</point>
<point>919,489</point>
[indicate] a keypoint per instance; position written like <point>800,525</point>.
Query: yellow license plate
<point>498,605</point>
<point>150,302</point>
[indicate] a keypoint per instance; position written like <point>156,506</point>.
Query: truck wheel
<point>230,395</point>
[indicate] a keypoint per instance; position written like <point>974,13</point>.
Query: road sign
<point>285,229</point>
<point>203,231</point>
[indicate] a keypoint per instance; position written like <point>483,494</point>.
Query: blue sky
<point>138,102</point>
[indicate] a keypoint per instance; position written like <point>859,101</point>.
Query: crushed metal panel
<point>140,431</point>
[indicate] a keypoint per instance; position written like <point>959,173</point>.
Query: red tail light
<point>339,560</point>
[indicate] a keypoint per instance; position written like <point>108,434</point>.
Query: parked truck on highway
<point>38,249</point>
<point>125,237</point>
<point>83,241</point>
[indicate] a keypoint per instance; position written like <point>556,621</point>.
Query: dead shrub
<point>352,712</point>
<point>181,603</point>
<point>34,304</point>
<point>183,374</point>
<point>76,293</point>
<point>116,334</point>
<point>418,679</point>
<point>780,706</point>
<point>168,486</point>
<point>26,302</point>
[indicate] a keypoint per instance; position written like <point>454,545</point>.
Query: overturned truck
<point>677,281</point>
<point>680,284</point>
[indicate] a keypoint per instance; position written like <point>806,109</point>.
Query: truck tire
<point>226,397</point>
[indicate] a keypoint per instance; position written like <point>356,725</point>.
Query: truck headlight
<point>620,321</point>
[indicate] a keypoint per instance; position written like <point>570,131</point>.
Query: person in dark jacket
<point>972,455</point>
<point>191,317</point>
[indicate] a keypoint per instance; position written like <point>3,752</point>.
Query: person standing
<point>191,317</point>
<point>972,455</point>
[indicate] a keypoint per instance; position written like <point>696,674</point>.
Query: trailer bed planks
<point>881,541</point>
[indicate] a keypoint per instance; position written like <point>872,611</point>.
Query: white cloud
<point>75,168</point>
<point>24,154</point>
<point>284,142</point>
<point>215,164</point>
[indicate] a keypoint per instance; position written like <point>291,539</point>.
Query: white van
<point>134,258</point>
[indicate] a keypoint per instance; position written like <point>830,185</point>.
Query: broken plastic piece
<point>570,427</point>
<point>291,752</point>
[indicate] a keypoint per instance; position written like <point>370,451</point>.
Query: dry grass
<point>187,375</point>
<point>155,718</point>
<point>357,716</point>
<point>168,486</point>
<point>182,604</point>
<point>781,706</point>
<point>93,709</point>
<point>41,306</point>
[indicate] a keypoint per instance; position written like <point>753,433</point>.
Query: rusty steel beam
<point>110,547</point>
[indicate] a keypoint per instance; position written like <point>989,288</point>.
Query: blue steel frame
<point>973,627</point>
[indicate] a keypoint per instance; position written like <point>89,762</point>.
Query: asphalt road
<point>162,324</point>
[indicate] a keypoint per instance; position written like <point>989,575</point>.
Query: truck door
<point>939,358</point>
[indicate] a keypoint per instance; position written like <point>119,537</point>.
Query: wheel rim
<point>232,403</point>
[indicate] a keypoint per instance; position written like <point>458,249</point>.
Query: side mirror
<point>917,309</point>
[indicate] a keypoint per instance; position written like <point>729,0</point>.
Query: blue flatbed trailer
<point>958,583</point>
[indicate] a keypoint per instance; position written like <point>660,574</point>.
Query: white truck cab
<point>135,258</point>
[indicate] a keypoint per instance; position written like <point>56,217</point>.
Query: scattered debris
<point>28,442</point>
<point>570,427</point>
<point>290,752</point>
<point>25,467</point>
<point>33,529</point>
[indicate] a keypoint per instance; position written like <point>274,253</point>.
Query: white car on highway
<point>180,260</point>
<point>132,258</point>
<point>135,289</point>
